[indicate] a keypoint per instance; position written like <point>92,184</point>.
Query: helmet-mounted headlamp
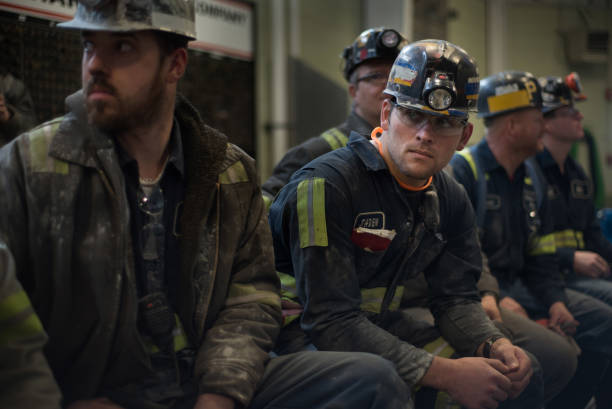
<point>572,80</point>
<point>389,39</point>
<point>439,92</point>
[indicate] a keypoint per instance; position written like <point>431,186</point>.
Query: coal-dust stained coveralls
<point>350,236</point>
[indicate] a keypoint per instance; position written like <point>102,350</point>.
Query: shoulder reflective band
<point>234,174</point>
<point>335,138</point>
<point>40,140</point>
<point>467,155</point>
<point>311,212</point>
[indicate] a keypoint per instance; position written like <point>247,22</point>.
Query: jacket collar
<point>545,159</point>
<point>366,152</point>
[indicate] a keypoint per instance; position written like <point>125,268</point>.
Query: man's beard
<point>123,113</point>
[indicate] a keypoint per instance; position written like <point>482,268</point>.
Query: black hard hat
<point>558,92</point>
<point>372,44</point>
<point>436,77</point>
<point>507,92</point>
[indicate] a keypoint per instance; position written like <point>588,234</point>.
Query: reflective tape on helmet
<point>40,140</point>
<point>311,212</point>
<point>372,298</point>
<point>234,174</point>
<point>335,138</point>
<point>509,101</point>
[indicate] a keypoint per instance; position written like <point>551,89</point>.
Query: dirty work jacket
<point>65,217</point>
<point>25,378</point>
<point>19,102</point>
<point>574,217</point>
<point>300,155</point>
<point>346,230</point>
<point>513,250</point>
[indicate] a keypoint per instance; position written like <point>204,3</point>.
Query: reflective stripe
<point>179,337</point>
<point>528,181</point>
<point>569,238</point>
<point>288,287</point>
<point>234,174</point>
<point>17,318</point>
<point>247,293</point>
<point>372,298</point>
<point>467,155</point>
<point>311,212</point>
<point>508,101</point>
<point>267,202</point>
<point>40,139</point>
<point>542,245</point>
<point>440,347</point>
<point>335,138</point>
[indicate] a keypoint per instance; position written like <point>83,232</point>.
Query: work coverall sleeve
<point>21,106</point>
<point>311,222</point>
<point>594,240</point>
<point>454,274</point>
<point>236,348</point>
<point>26,380</point>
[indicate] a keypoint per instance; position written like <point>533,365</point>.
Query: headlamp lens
<point>390,38</point>
<point>440,99</point>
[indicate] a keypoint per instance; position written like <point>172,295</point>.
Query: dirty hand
<point>589,264</point>
<point>214,401</point>
<point>489,304</point>
<point>518,363</point>
<point>511,304</point>
<point>561,320</point>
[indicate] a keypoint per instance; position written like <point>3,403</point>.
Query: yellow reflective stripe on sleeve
<point>542,245</point>
<point>508,101</point>
<point>267,202</point>
<point>22,329</point>
<point>247,293</point>
<point>311,212</point>
<point>234,174</point>
<point>13,305</point>
<point>467,155</point>
<point>288,286</point>
<point>569,238</point>
<point>40,139</point>
<point>439,347</point>
<point>372,298</point>
<point>17,318</point>
<point>335,138</point>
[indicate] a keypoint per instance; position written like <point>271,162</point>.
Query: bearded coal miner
<point>140,236</point>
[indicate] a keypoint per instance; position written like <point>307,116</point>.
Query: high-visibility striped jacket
<point>65,216</point>
<point>515,249</point>
<point>351,236</point>
<point>574,219</point>
<point>25,378</point>
<point>300,155</point>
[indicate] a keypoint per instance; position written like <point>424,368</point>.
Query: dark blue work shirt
<point>507,239</point>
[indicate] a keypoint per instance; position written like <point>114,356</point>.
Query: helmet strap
<point>374,135</point>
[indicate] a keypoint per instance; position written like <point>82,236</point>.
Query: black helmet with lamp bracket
<point>436,77</point>
<point>373,43</point>
<point>558,92</point>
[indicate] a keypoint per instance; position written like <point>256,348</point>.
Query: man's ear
<point>178,64</point>
<point>352,90</point>
<point>385,114</point>
<point>465,135</point>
